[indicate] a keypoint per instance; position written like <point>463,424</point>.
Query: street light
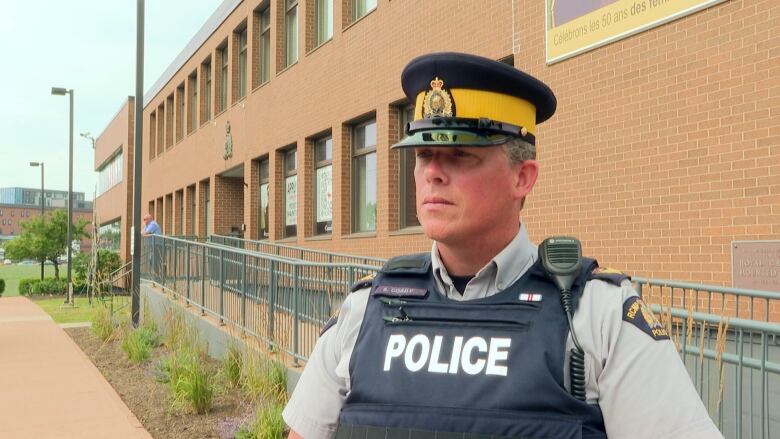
<point>35,165</point>
<point>88,135</point>
<point>62,92</point>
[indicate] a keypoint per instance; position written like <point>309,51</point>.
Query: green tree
<point>45,239</point>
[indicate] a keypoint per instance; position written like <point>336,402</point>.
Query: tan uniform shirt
<point>640,384</point>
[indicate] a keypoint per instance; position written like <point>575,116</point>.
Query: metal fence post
<point>243,294</point>
<point>189,274</point>
<point>203,281</point>
<point>271,305</point>
<point>296,311</point>
<point>175,268</point>
<point>221,287</point>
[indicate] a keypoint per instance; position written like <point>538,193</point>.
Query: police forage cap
<point>462,99</point>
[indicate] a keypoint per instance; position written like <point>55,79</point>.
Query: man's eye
<point>459,153</point>
<point>423,154</point>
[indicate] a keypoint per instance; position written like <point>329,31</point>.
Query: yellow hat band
<point>475,104</point>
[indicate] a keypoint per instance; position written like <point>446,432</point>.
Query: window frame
<point>291,12</point>
<point>406,185</point>
<point>322,227</point>
<point>264,167</point>
<point>356,155</point>
<point>319,37</point>
<point>224,71</point>
<point>290,231</point>
<point>243,67</point>
<point>356,15</point>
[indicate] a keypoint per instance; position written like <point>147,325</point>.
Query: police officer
<point>472,340</point>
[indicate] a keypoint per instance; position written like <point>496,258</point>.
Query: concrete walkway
<point>48,386</point>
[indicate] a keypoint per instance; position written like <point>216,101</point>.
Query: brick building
<point>275,123</point>
<point>13,215</point>
<point>114,165</point>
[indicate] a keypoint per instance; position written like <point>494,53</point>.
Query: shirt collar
<point>502,271</point>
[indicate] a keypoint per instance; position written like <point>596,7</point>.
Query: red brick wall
<point>663,150</point>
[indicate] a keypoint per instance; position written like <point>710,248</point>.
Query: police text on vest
<point>474,355</point>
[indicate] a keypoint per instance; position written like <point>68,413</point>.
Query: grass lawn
<point>82,312</point>
<point>12,274</point>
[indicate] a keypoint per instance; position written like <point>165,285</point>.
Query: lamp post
<point>43,194</point>
<point>137,162</point>
<point>88,135</point>
<point>62,92</point>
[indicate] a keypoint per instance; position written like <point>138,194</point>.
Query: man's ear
<point>526,173</point>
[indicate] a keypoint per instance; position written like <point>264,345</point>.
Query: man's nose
<point>434,171</point>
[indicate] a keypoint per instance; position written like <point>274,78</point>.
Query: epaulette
<point>363,282</point>
<point>408,264</point>
<point>609,275</point>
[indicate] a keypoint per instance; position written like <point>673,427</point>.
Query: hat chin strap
<point>481,126</point>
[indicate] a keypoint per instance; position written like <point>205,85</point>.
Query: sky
<point>87,46</point>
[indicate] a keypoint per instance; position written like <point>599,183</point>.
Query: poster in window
<point>577,26</point>
<point>264,209</point>
<point>324,194</point>
<point>291,200</point>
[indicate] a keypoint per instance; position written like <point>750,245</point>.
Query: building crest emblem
<point>228,143</point>
<point>437,101</point>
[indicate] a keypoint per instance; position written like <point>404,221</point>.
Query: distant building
<point>12,216</point>
<point>20,196</point>
<point>113,162</point>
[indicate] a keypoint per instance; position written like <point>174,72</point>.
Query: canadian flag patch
<point>530,297</point>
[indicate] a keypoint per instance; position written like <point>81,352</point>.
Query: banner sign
<point>576,26</point>
<point>291,198</point>
<point>324,194</point>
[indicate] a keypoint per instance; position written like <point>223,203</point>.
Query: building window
<point>323,186</point>
<point>110,174</point>
<point>407,192</point>
<point>364,176</point>
<point>264,226</point>
<point>324,22</point>
<point>264,44</point>
<point>242,66</point>
<point>206,92</point>
<point>193,209</point>
<point>206,208</point>
<point>110,236</point>
<point>290,193</point>
<point>193,85</point>
<point>169,121</point>
<point>362,7</point>
<point>152,134</point>
<point>223,78</point>
<point>180,112</point>
<point>291,31</point>
<point>160,129</point>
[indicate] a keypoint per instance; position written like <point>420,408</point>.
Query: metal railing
<point>729,341</point>
<point>290,251</point>
<point>724,335</point>
<point>282,301</point>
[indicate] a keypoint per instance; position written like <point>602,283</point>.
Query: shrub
<point>36,287</point>
<point>108,261</point>
<point>231,365</point>
<point>178,333</point>
<point>138,344</point>
<point>267,424</point>
<point>2,286</point>
<point>102,324</point>
<point>190,382</point>
<point>264,378</point>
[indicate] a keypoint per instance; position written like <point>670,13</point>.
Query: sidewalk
<point>48,386</point>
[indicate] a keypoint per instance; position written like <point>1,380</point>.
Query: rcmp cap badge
<point>437,101</point>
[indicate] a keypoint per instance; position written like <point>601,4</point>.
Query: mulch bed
<point>150,400</point>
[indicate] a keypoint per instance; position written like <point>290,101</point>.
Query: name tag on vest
<point>393,291</point>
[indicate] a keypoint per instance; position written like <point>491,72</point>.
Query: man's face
<point>467,193</point>
<point>147,219</point>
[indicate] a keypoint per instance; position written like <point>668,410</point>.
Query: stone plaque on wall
<point>756,265</point>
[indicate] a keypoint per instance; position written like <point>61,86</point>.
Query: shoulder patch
<point>609,275</point>
<point>363,282</point>
<point>637,313</point>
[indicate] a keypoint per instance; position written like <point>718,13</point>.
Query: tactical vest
<point>425,366</point>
